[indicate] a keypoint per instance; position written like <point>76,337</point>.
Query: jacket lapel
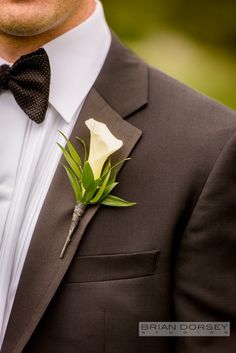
<point>43,270</point>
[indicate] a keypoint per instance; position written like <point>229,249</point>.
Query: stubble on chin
<point>22,20</point>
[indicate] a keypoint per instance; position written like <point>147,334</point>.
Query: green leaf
<point>73,152</point>
<point>70,161</point>
<point>115,165</point>
<point>101,189</point>
<point>87,175</point>
<point>107,167</point>
<point>74,183</point>
<point>112,178</point>
<point>84,147</point>
<point>63,135</point>
<point>108,190</point>
<point>121,161</point>
<point>90,191</point>
<point>115,201</point>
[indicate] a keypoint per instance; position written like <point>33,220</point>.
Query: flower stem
<point>77,214</point>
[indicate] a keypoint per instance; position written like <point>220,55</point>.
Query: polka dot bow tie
<point>29,79</point>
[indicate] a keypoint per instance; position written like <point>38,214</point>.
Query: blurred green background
<point>193,41</point>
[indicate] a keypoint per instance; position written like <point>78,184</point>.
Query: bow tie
<point>29,79</point>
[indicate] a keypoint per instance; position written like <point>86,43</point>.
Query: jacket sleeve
<point>205,259</point>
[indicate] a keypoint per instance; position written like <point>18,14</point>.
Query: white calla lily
<point>102,144</point>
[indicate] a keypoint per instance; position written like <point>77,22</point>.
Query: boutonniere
<point>92,178</point>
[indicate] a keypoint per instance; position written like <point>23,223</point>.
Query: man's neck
<point>13,47</point>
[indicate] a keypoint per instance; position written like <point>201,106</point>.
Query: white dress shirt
<point>29,154</point>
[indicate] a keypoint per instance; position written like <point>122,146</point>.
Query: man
<point>171,257</point>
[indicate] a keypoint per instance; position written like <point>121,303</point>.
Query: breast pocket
<point>112,267</point>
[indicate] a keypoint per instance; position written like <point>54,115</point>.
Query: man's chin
<point>23,25</point>
<point>21,29</point>
<point>22,17</point>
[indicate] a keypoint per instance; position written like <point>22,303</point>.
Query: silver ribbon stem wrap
<point>77,214</point>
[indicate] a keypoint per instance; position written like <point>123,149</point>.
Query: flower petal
<point>102,144</point>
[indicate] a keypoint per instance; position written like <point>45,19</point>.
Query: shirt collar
<point>76,58</point>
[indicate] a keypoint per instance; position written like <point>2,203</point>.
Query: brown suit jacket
<point>171,257</point>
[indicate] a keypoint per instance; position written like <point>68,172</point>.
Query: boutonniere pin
<point>92,178</point>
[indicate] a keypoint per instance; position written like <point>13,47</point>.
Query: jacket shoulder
<point>184,131</point>
<point>186,105</point>
<point>189,118</point>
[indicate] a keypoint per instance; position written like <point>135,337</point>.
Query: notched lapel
<point>43,270</point>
